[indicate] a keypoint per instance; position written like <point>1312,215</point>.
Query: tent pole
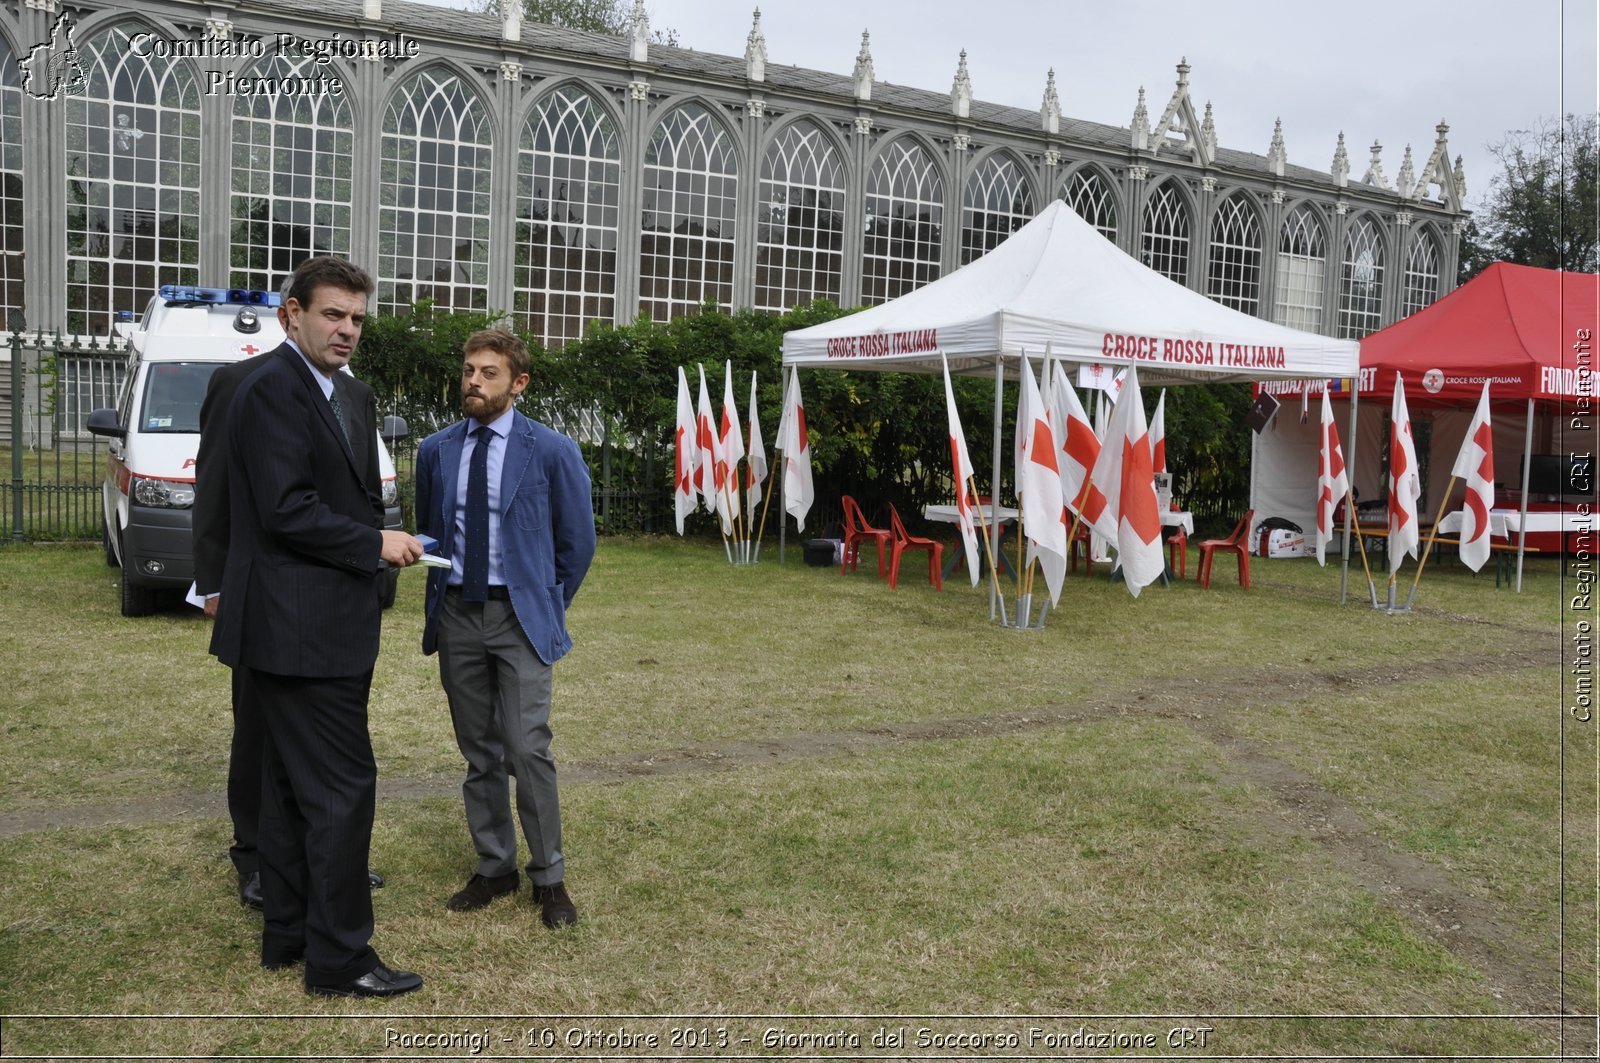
<point>994,476</point>
<point>1527,460</point>
<point>1349,510</point>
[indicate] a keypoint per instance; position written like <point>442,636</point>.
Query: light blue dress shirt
<point>499,429</point>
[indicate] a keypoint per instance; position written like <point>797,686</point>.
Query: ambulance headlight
<point>162,494</point>
<point>391,492</point>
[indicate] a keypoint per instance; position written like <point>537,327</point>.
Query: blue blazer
<point>546,526</point>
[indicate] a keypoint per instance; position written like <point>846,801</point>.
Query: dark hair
<point>330,271</point>
<point>501,341</point>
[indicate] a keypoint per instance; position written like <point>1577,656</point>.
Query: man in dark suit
<point>508,501</point>
<point>298,617</point>
<point>210,552</point>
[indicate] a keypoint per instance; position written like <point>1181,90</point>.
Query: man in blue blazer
<point>507,500</point>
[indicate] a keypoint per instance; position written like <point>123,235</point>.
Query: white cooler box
<point>1279,542</point>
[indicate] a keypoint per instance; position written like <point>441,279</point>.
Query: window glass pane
<point>1233,275</point>
<point>1361,281</point>
<point>904,223</point>
<point>800,220</point>
<point>996,204</point>
<point>1089,194</point>
<point>568,179</point>
<point>1422,275</point>
<point>133,181</point>
<point>686,244</point>
<point>1165,245</point>
<point>1302,260</point>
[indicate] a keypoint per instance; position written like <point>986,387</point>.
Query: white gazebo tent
<point>1058,284</point>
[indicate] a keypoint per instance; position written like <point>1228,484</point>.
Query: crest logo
<point>1433,381</point>
<point>52,69</point>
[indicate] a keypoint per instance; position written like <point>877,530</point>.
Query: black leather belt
<point>497,593</point>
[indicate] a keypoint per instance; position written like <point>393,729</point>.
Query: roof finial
<point>1050,109</point>
<point>863,71</point>
<point>1341,164</point>
<point>1140,129</point>
<point>639,30</point>
<point>1277,154</point>
<point>961,89</point>
<point>755,51</point>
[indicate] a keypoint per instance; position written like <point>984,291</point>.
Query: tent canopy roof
<point>1058,283</point>
<point>1513,325</point>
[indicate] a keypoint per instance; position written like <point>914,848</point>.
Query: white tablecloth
<point>1505,523</point>
<point>1178,519</point>
<point>949,514</point>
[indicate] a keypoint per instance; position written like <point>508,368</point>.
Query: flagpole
<point>1361,543</point>
<point>766,504</point>
<point>988,550</point>
<point>1433,534</point>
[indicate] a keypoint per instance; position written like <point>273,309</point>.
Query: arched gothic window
<point>10,183</point>
<point>433,207</point>
<point>569,176</point>
<point>1165,245</point>
<point>691,181</point>
<point>1233,274</point>
<point>133,180</point>
<point>996,204</point>
<point>1422,275</point>
<point>1361,281</point>
<point>1088,194</point>
<point>1302,265</point>
<point>904,223</point>
<point>800,224</point>
<point>291,176</point>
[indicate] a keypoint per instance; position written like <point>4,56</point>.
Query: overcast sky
<point>1384,70</point>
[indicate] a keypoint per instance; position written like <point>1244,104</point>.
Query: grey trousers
<point>499,694</point>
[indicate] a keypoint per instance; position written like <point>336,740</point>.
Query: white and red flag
<point>1475,466</point>
<point>1333,483</point>
<point>1039,485</point>
<point>1405,486</point>
<point>710,478</point>
<point>961,473</point>
<point>731,440</point>
<point>1131,519</point>
<point>686,454</point>
<point>796,446</point>
<point>1080,446</point>
<point>1158,435</point>
<point>756,462</point>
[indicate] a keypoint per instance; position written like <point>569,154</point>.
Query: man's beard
<point>479,406</point>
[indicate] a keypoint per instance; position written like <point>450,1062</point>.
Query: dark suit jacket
<point>300,595</point>
<point>211,474</point>
<point>211,512</point>
<point>546,526</point>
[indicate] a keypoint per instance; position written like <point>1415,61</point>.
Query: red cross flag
<point>756,469</point>
<point>796,446</point>
<point>731,440</point>
<point>709,478</point>
<point>1332,481</point>
<point>1080,446</point>
<point>1158,435</point>
<point>961,473</point>
<point>687,454</point>
<point>1475,466</point>
<point>1405,487</point>
<point>1131,519</point>
<point>1039,485</point>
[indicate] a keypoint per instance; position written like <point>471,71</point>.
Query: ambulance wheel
<point>391,588</point>
<point>136,600</point>
<point>105,544</point>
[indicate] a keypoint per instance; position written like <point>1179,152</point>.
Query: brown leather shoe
<point>556,909</point>
<point>479,891</point>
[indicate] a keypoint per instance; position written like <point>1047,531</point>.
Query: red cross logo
<point>249,348</point>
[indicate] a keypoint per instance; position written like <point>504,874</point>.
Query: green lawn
<point>793,793</point>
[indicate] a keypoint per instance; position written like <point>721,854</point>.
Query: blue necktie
<point>475,569</point>
<point>338,413</point>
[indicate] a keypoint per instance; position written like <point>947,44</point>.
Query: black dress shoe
<point>374,879</point>
<point>378,982</point>
<point>481,889</point>
<point>250,889</point>
<point>556,909</point>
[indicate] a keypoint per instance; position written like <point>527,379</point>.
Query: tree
<point>594,16</point>
<point>1541,207</point>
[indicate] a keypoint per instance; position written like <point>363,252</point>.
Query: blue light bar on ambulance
<point>190,294</point>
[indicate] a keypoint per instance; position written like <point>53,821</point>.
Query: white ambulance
<point>154,433</point>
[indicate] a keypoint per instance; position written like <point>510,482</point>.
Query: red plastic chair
<point>1081,544</point>
<point>1237,543</point>
<point>903,542</point>
<point>1178,553</point>
<point>858,531</point>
